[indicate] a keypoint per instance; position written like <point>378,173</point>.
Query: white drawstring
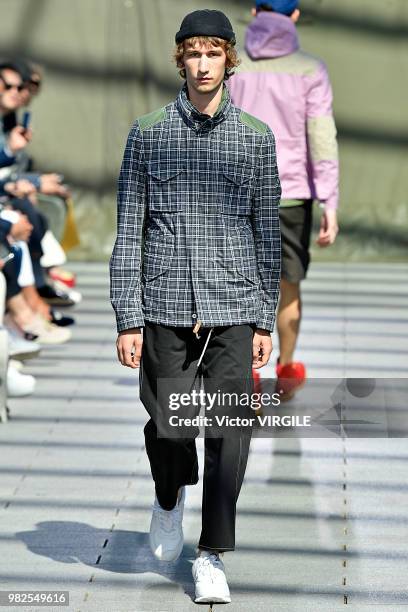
<point>205,347</point>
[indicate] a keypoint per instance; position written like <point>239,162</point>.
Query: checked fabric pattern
<point>198,232</point>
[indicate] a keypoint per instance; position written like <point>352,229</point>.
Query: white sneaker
<point>20,348</point>
<point>19,385</point>
<point>210,582</point>
<point>17,365</point>
<point>47,332</point>
<point>166,530</point>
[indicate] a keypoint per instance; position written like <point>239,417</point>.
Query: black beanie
<point>205,23</point>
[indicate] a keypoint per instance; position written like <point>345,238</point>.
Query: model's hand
<point>328,228</point>
<point>129,347</point>
<point>261,348</point>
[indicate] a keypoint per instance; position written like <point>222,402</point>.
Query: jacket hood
<point>271,35</point>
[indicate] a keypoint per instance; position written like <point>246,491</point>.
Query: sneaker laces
<point>168,519</point>
<point>208,564</point>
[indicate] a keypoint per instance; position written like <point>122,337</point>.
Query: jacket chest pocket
<point>237,190</point>
<point>165,188</point>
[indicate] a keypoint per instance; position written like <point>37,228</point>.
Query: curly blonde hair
<point>229,48</point>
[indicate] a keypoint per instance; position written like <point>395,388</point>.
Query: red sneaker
<point>64,276</point>
<point>291,378</point>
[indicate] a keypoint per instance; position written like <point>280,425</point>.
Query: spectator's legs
<point>35,302</point>
<point>26,319</point>
<point>288,320</point>
<point>40,226</point>
<point>27,283</point>
<point>39,275</point>
<point>11,275</point>
<point>19,310</point>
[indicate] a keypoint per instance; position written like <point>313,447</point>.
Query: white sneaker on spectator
<point>47,332</point>
<point>17,365</point>
<point>166,530</point>
<point>19,385</point>
<point>209,577</point>
<point>20,348</point>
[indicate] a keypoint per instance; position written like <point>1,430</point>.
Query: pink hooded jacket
<point>290,91</point>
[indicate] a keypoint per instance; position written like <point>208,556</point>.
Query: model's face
<point>205,67</point>
<point>10,97</point>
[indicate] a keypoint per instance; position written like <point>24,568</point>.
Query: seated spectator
<point>17,383</point>
<point>27,81</point>
<point>25,315</point>
<point>11,86</point>
<point>23,228</point>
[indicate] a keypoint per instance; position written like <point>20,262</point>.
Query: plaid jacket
<point>198,234</point>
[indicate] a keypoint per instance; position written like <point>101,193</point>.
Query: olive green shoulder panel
<point>253,122</point>
<point>151,119</point>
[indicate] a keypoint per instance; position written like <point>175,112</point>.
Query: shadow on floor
<point>123,552</point>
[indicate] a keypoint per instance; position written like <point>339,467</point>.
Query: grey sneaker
<point>166,530</point>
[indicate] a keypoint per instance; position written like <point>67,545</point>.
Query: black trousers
<point>40,226</point>
<point>173,353</point>
<point>10,271</point>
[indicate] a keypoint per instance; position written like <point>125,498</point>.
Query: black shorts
<point>296,227</point>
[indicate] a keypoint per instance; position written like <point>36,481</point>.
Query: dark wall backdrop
<point>108,61</point>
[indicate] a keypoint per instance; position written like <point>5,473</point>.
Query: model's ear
<point>253,12</point>
<point>182,57</point>
<point>295,16</point>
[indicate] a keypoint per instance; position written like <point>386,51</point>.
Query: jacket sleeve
<point>3,182</point>
<point>126,259</point>
<point>5,227</point>
<point>266,230</point>
<point>321,135</point>
<point>6,157</point>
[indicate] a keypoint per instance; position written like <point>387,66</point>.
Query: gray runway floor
<point>322,522</point>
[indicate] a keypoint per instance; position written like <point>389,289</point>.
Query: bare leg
<point>20,311</point>
<point>35,302</point>
<point>288,320</point>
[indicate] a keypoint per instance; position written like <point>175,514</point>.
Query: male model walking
<point>290,90</point>
<point>196,264</point>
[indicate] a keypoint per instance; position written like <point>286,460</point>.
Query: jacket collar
<point>200,122</point>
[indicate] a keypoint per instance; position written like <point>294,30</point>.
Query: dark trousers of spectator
<point>173,353</point>
<point>10,272</point>
<point>40,226</point>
